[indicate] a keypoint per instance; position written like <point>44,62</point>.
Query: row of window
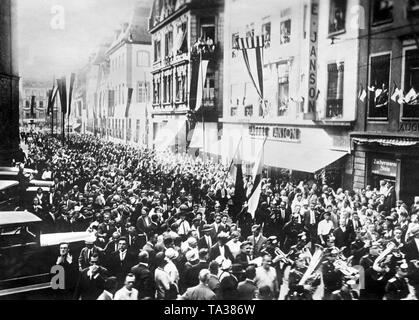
<point>40,104</point>
<point>177,43</point>
<point>246,96</point>
<point>163,89</point>
<point>142,60</point>
<point>116,129</point>
<point>382,13</point>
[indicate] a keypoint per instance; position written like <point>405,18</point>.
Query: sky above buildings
<point>57,36</point>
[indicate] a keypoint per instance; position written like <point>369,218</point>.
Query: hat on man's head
<point>256,227</point>
<point>414,231</point>
<point>191,255</point>
<point>171,254</point>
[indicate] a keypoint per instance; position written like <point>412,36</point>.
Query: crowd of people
<point>166,226</point>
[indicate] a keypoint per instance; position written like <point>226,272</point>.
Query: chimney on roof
<point>125,26</point>
<point>116,33</point>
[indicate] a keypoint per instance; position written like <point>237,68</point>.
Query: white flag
<point>363,95</point>
<point>254,200</point>
<point>395,95</point>
<point>411,96</point>
<point>202,75</point>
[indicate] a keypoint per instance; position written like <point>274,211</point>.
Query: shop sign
<point>313,46</point>
<point>276,133</point>
<point>384,167</point>
<point>409,127</point>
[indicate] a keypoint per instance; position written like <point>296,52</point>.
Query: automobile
<point>27,255</point>
<point>12,173</point>
<point>9,195</point>
<point>41,183</point>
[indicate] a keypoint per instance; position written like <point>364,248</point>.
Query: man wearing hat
<point>206,240</point>
<point>346,292</point>
<point>244,258</point>
<point>257,240</point>
<point>184,225</point>
<point>397,288</point>
<point>191,274</point>
<point>411,248</point>
<point>220,248</point>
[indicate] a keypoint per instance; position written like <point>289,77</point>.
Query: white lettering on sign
<point>314,38</point>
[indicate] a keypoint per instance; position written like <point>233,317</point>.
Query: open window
<point>382,12</point>
<point>337,16</point>
<point>378,91</point>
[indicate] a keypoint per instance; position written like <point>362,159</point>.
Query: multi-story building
<point>386,138</point>
<point>183,107</point>
<point>129,77</point>
<point>308,80</point>
<point>34,105</point>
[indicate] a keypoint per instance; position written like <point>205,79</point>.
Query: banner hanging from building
<point>70,94</point>
<point>130,92</point>
<point>252,50</point>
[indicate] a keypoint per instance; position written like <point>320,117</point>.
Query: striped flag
<point>254,195</point>
<point>252,50</point>
<point>52,94</point>
<point>202,75</point>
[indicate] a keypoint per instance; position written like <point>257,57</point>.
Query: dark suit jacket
<point>242,260</point>
<point>257,246</point>
<point>120,268</point>
<point>411,250</point>
<point>202,243</point>
<point>141,225</point>
<point>342,239</point>
<point>90,289</point>
<point>307,219</point>
<point>215,252</point>
<point>84,259</point>
<point>144,281</point>
<point>192,274</point>
<point>246,290</point>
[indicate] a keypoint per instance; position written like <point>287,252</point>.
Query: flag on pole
<point>70,93</point>
<point>252,50</point>
<point>202,76</point>
<point>130,91</point>
<point>362,95</point>
<point>33,105</point>
<point>257,171</point>
<point>52,94</point>
<point>254,195</point>
<point>62,88</point>
<point>239,192</point>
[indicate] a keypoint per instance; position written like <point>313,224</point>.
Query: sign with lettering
<point>276,133</point>
<point>384,167</point>
<point>313,45</point>
<point>409,127</point>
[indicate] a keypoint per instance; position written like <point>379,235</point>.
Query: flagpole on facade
<point>202,105</point>
<point>52,107</point>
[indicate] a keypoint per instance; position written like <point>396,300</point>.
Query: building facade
<point>309,79</point>
<point>114,94</point>
<point>183,107</point>
<point>9,83</point>
<point>386,137</point>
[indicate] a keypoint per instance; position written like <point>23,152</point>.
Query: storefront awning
<point>299,158</point>
<point>229,143</point>
<point>166,136</point>
<point>211,136</point>
<point>387,142</point>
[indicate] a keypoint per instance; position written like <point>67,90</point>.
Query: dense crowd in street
<point>166,227</point>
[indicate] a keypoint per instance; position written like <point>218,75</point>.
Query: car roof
<point>9,218</point>
<point>15,169</point>
<point>6,184</point>
<point>41,183</point>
